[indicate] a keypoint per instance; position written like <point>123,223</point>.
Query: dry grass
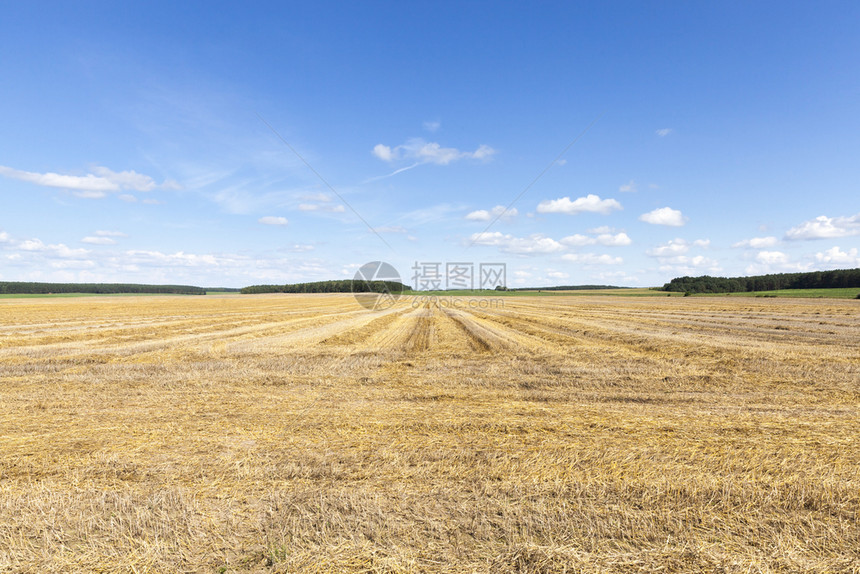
<point>303,434</point>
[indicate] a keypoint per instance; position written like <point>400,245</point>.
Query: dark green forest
<point>838,278</point>
<point>32,288</point>
<point>335,286</point>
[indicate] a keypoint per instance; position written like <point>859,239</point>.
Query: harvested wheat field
<point>287,433</point>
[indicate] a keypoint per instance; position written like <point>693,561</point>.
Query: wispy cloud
<point>299,248</point>
<point>757,243</point>
<point>664,216</point>
<point>273,220</point>
<point>663,132</point>
<point>589,203</point>
<point>432,127</point>
<point>628,187</point>
<point>319,202</point>
<point>607,239</point>
<point>316,197</point>
<point>94,185</point>
<point>390,229</point>
<point>98,240</point>
<point>242,198</point>
<point>592,259</point>
<point>823,227</point>
<point>420,152</point>
<point>688,265</point>
<point>328,207</point>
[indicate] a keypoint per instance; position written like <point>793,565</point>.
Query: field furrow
<point>304,433</point>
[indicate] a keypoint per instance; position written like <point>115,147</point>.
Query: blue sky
<point>141,142</point>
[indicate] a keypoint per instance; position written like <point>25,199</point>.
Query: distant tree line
<point>567,288</point>
<point>31,288</point>
<point>812,280</point>
<point>334,286</point>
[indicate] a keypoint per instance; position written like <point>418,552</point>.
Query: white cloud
<point>757,242</point>
<point>771,257</point>
<point>628,187</point>
<point>535,244</point>
<point>557,275</point>
<point>32,245</point>
<point>328,207</point>
<point>273,220</point>
<point>92,185</point>
<point>384,152</point>
<point>103,237</point>
<point>532,245</point>
<point>483,152</point>
<point>59,250</point>
<point>592,259</point>
<point>590,203</point>
<point>88,194</point>
<point>835,256</point>
<point>98,240</point>
<point>672,248</point>
<point>540,244</point>
<point>319,202</point>
<point>479,215</point>
<point>674,259</point>
<point>663,132</point>
<point>420,151</point>
<point>4,237</point>
<point>88,182</point>
<point>578,240</point>
<point>616,240</point>
<point>127,197</point>
<point>775,261</point>
<point>432,126</point>
<point>498,211</point>
<point>823,227</point>
<point>664,216</point>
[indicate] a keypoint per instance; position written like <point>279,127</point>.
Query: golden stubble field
<point>290,433</point>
